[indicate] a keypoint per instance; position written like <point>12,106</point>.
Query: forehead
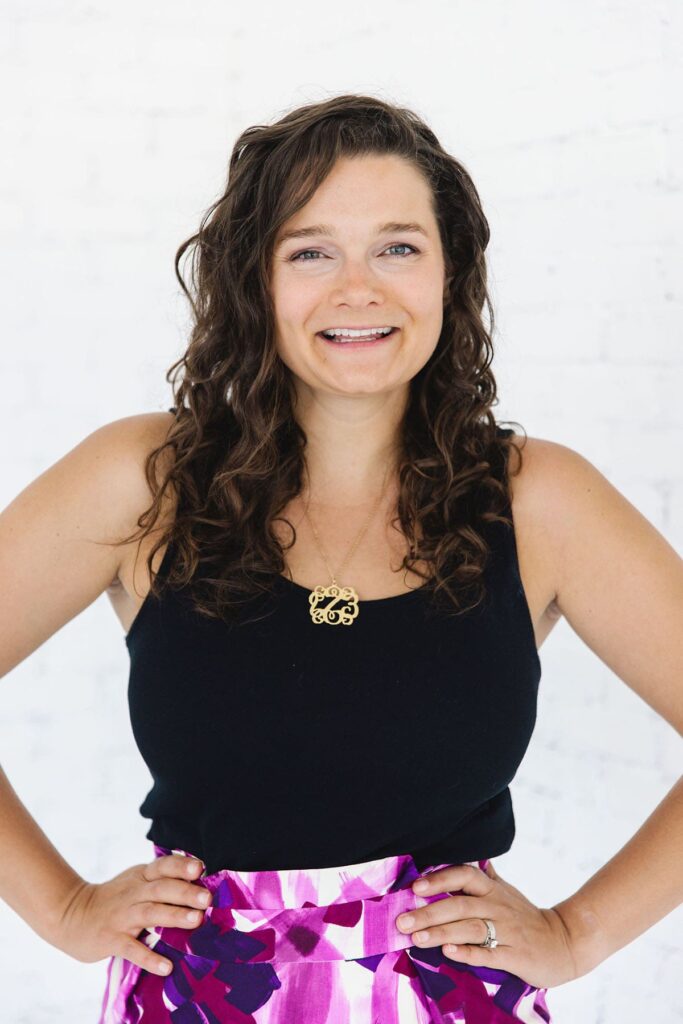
<point>329,230</point>
<point>376,194</point>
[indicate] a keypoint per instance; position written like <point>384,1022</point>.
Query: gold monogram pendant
<point>341,610</point>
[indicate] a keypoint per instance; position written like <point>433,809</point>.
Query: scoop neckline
<point>368,600</point>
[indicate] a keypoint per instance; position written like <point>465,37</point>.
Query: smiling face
<point>372,259</point>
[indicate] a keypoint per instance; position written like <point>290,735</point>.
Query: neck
<point>351,447</point>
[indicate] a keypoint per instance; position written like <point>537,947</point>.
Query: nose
<point>357,285</point>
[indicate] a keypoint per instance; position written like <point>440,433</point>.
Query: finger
<point>491,871</point>
<point>442,911</point>
<point>173,866</point>
<point>453,932</point>
<point>150,914</point>
<point>142,956</point>
<point>175,890</point>
<point>459,878</point>
<point>450,911</point>
<point>480,956</point>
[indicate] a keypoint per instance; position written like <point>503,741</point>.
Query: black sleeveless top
<point>283,743</point>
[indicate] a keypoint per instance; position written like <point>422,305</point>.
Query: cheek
<point>294,312</point>
<point>424,298</point>
<point>292,344</point>
<point>427,319</point>
<point>285,299</point>
<point>288,357</point>
<point>285,346</point>
<point>286,309</point>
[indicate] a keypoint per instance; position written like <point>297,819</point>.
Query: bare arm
<point>620,587</point>
<point>637,887</point>
<point>35,880</point>
<point>56,557</point>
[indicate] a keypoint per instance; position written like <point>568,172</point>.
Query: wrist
<point>57,923</point>
<point>585,934</point>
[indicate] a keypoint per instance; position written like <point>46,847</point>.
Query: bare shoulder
<point>130,441</point>
<point>131,583</point>
<point>536,488</point>
<point>550,488</point>
<point>617,580</point>
<point>564,509</point>
<point>58,536</point>
<point>544,495</point>
<point>135,435</point>
<point>121,449</point>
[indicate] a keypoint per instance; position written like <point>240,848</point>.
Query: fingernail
<point>406,920</point>
<point>421,885</point>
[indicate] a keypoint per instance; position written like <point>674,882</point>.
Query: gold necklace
<point>343,608</point>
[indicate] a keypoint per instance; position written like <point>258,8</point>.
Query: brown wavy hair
<point>236,450</point>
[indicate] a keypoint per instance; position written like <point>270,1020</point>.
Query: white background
<point>117,125</point>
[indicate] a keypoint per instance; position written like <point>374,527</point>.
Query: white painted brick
<point>117,130</point>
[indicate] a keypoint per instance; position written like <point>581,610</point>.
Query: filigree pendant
<point>341,610</point>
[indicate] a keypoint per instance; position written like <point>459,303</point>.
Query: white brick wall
<point>118,120</point>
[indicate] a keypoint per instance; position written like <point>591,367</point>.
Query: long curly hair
<point>236,454</point>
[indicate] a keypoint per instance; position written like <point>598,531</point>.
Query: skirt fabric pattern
<point>311,946</point>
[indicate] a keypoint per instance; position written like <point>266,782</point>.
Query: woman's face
<point>358,268</point>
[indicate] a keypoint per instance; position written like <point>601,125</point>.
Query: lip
<point>365,327</point>
<point>358,344</point>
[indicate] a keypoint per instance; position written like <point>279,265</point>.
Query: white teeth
<point>340,332</point>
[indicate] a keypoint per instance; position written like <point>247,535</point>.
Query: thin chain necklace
<point>343,608</point>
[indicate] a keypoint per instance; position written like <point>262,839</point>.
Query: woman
<point>332,461</point>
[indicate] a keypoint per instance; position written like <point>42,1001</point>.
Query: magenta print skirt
<point>311,946</point>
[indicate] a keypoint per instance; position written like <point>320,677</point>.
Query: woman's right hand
<point>104,918</point>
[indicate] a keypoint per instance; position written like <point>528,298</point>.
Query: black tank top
<point>283,743</point>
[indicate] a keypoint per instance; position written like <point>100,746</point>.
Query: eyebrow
<point>392,226</point>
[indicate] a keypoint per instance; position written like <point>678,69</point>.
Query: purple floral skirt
<point>311,946</point>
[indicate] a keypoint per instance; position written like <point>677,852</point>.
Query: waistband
<point>346,912</point>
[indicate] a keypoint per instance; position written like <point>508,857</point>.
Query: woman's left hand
<point>533,943</point>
